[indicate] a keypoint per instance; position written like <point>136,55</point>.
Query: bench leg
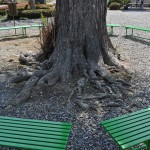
<point>23,32</point>
<point>132,32</point>
<point>126,31</point>
<point>148,145</point>
<point>111,30</point>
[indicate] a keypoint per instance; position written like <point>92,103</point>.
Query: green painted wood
<point>130,118</point>
<point>32,138</point>
<point>135,142</point>
<point>130,130</point>
<point>34,131</point>
<point>37,25</point>
<point>27,146</point>
<point>22,122</point>
<point>130,123</point>
<point>33,134</point>
<point>133,138</point>
<point>35,121</point>
<point>41,135</point>
<point>37,143</point>
<point>112,25</point>
<point>138,28</point>
<point>125,127</point>
<point>14,27</point>
<point>125,116</point>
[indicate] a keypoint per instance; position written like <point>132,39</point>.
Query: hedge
<point>2,12</point>
<point>114,6</point>
<point>32,14</point>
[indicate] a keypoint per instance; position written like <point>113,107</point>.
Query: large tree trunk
<point>82,43</point>
<point>82,47</point>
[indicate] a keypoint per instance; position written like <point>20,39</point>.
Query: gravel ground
<point>86,133</point>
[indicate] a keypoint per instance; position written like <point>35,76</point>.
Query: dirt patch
<point>10,50</point>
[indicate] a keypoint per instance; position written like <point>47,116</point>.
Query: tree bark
<point>82,42</point>
<point>82,46</point>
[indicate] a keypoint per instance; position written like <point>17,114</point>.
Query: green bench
<point>23,28</point>
<point>111,27</point>
<point>135,28</point>
<point>131,131</point>
<point>33,134</point>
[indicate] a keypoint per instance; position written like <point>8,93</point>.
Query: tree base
<point>101,88</point>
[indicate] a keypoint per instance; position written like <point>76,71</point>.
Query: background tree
<point>81,48</point>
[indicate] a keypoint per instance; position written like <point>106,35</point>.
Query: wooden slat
<point>138,28</point>
<point>33,134</point>
<point>34,131</point>
<point>27,146</point>
<point>36,121</point>
<point>32,138</point>
<point>34,127</point>
<point>134,130</point>
<point>125,127</point>
<point>128,119</point>
<point>41,135</point>
<point>133,138</point>
<point>125,116</point>
<point>29,142</point>
<point>130,123</point>
<point>135,142</point>
<point>113,25</point>
<point>129,130</point>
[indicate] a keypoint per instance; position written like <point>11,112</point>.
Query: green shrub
<point>2,12</point>
<point>36,13</point>
<point>32,14</point>
<point>117,1</point>
<point>114,6</point>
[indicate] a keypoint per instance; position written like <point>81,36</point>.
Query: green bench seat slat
<point>123,120</point>
<point>35,121</point>
<point>133,138</point>
<point>33,134</point>
<point>130,123</point>
<point>138,28</point>
<point>37,143</point>
<point>32,138</point>
<point>37,25</point>
<point>50,136</point>
<point>113,25</point>
<point>14,27</point>
<point>125,116</point>
<point>127,145</point>
<point>27,146</point>
<point>34,131</point>
<point>34,124</point>
<point>131,131</point>
<point>126,127</point>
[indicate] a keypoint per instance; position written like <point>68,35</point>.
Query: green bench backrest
<point>33,134</point>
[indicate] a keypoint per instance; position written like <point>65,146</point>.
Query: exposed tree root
<point>25,93</point>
